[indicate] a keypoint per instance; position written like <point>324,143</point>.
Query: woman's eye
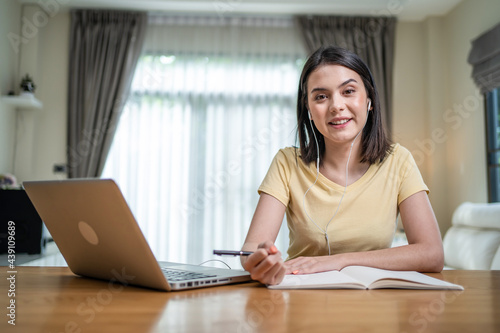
<point>349,91</point>
<point>320,97</point>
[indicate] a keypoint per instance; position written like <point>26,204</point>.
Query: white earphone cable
<point>325,231</point>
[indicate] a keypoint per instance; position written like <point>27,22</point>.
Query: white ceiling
<point>405,10</point>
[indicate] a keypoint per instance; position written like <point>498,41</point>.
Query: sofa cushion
<point>481,215</point>
<point>471,248</point>
<point>495,264</point>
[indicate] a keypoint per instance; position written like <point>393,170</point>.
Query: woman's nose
<point>337,104</point>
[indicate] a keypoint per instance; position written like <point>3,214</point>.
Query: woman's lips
<point>340,123</point>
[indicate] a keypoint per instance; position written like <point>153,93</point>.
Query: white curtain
<point>211,103</point>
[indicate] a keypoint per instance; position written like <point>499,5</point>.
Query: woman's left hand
<point>307,265</point>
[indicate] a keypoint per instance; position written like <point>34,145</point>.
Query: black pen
<point>232,253</point>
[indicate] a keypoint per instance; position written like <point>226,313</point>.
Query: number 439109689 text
<point>11,245</point>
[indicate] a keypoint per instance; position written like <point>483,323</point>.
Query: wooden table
<point>52,299</point>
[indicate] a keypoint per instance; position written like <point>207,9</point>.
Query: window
<point>484,56</point>
<point>493,143</point>
<point>198,133</point>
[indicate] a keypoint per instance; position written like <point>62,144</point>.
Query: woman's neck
<point>335,159</point>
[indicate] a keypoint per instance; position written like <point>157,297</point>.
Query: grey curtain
<point>484,56</point>
<point>104,49</point>
<point>372,38</point>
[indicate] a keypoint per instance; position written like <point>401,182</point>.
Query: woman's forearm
<point>413,257</point>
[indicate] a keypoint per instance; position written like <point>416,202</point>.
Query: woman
<point>344,186</point>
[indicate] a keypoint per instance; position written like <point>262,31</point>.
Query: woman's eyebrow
<point>346,82</point>
<point>318,89</point>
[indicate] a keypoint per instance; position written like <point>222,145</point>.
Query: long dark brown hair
<point>374,142</point>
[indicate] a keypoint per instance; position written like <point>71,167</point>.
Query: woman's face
<point>338,103</point>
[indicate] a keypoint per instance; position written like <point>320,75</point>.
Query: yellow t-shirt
<point>366,219</point>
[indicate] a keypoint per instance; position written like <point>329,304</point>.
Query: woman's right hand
<point>265,264</point>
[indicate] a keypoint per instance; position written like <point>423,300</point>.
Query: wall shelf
<point>22,102</point>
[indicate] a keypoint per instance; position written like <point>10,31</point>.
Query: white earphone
<point>325,231</point>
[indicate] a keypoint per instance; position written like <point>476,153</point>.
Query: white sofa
<point>473,241</point>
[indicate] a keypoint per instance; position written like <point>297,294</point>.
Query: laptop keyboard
<point>180,275</point>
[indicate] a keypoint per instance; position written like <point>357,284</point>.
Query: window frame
<point>492,130</point>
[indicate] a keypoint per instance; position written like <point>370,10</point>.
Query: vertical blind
<point>212,101</point>
<point>484,57</point>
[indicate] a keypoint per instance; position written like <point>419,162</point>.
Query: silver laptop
<point>99,237</point>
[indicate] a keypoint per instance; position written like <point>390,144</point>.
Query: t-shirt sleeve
<point>411,179</point>
<point>277,180</point>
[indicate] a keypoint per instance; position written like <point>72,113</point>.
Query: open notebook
<point>361,277</point>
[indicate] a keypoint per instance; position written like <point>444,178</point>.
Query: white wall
<point>466,148</point>
<point>419,102</point>
<point>9,24</point>
<point>50,136</point>
<point>41,134</point>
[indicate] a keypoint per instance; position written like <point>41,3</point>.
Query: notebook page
<point>369,275</point>
<point>331,279</point>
